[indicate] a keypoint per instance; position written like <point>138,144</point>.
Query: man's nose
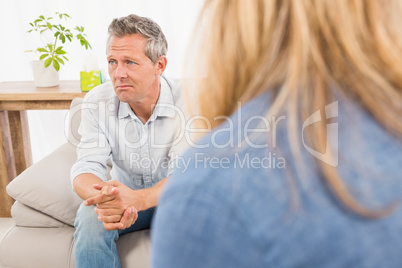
<point>120,72</point>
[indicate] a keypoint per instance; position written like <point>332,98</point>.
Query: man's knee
<point>87,224</point>
<point>86,215</point>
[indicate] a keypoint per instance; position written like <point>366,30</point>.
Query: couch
<point>44,213</point>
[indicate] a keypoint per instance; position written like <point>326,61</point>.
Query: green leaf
<point>59,60</point>
<point>43,56</point>
<point>48,61</point>
<point>69,38</point>
<point>56,65</point>
<point>60,52</point>
<point>42,17</point>
<point>31,24</point>
<point>49,25</point>
<point>65,16</point>
<point>37,20</point>
<point>56,34</point>
<point>40,49</point>
<point>65,58</point>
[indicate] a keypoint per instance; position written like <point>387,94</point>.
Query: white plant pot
<point>44,77</point>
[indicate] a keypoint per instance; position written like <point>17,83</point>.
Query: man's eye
<point>112,62</point>
<point>131,62</point>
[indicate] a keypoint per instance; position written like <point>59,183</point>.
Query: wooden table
<point>15,146</point>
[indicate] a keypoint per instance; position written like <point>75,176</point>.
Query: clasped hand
<point>114,206</point>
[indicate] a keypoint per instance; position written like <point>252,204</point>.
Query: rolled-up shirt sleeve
<point>94,149</point>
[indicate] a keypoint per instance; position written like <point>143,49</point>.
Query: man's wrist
<point>148,198</point>
<point>143,196</point>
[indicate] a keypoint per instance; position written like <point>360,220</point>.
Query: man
<point>132,122</point>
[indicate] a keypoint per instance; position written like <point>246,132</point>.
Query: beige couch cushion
<point>28,217</point>
<point>46,186</point>
<point>53,247</point>
<point>37,247</point>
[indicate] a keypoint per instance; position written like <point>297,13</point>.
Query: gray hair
<point>156,44</point>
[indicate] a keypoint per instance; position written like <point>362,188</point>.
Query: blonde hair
<point>300,50</point>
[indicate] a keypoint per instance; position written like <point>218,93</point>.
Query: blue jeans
<point>94,245</point>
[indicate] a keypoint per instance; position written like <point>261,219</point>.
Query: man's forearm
<point>150,196</point>
<point>83,185</point>
<point>141,200</point>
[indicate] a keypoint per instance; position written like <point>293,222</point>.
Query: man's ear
<point>161,65</point>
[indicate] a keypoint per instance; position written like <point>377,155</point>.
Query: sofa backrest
<point>74,120</point>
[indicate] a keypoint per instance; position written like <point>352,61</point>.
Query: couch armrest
<point>46,185</point>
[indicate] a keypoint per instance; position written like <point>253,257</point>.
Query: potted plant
<point>52,54</point>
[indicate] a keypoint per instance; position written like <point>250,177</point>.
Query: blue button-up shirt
<point>141,154</point>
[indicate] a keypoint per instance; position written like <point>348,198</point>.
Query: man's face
<point>134,76</point>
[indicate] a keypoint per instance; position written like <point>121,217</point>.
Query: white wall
<point>176,17</point>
